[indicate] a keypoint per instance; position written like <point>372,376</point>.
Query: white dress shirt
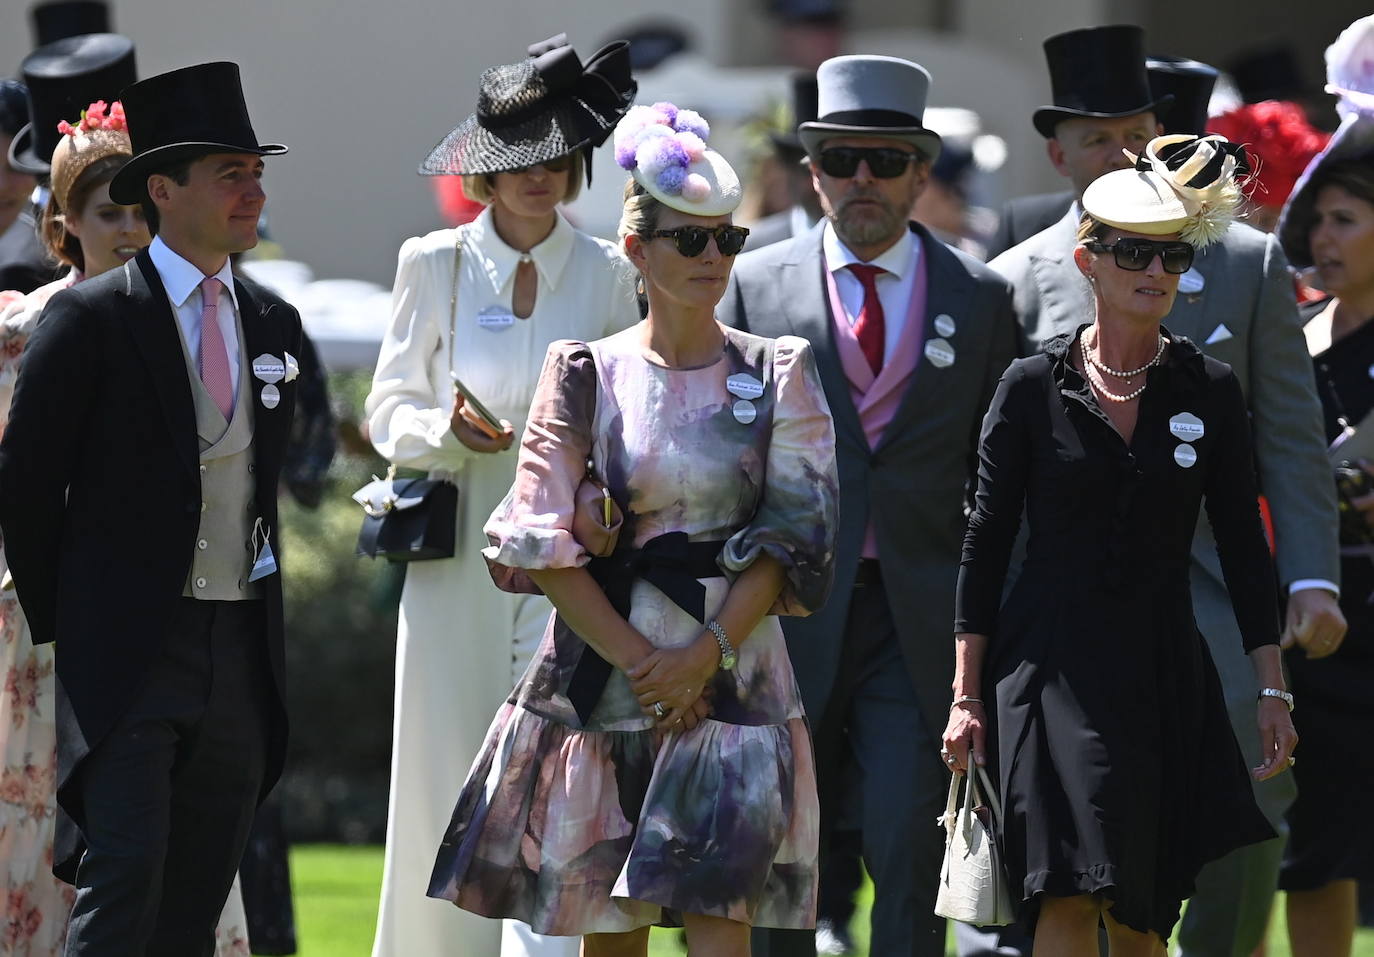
<point>182,281</point>
<point>894,286</point>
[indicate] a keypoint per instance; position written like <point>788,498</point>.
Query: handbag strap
<point>453,294</point>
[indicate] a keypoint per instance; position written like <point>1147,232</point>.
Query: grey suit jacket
<point>1245,315</point>
<point>913,486</point>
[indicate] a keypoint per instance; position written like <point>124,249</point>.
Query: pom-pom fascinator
<point>664,149</point>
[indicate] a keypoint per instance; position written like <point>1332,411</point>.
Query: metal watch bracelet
<point>727,650</point>
<point>1284,696</point>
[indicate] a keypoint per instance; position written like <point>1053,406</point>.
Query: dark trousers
<point>168,795</point>
<point>872,723</point>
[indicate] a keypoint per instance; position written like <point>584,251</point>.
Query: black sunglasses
<point>1137,254</point>
<point>691,240</point>
<point>884,162</point>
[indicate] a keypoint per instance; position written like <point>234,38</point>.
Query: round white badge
<point>1185,456</point>
<point>1371,372</point>
<point>744,411</point>
<point>271,396</point>
<point>496,318</point>
<point>944,325</point>
<point>744,386</point>
<point>1187,427</point>
<point>940,353</point>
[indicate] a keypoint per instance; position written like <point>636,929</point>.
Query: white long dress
<point>462,643</point>
<point>33,923</point>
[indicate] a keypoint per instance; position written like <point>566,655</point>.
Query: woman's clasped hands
<point>675,680</point>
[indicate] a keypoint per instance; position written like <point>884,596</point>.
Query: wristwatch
<point>1285,696</point>
<point>728,660</point>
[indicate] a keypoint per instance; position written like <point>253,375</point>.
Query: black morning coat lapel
<point>153,325</point>
<point>261,336</point>
<point>806,302</point>
<point>949,292</point>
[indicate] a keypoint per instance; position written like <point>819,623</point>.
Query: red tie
<point>871,327</point>
<point>214,357</point>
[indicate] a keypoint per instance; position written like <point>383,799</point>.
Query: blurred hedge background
<point>340,648</point>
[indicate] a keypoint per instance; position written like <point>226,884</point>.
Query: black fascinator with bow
<point>548,105</point>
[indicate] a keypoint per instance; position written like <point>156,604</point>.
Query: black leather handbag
<point>407,519</point>
<point>412,519</point>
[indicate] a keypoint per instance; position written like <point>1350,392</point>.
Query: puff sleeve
<point>798,511</point>
<point>408,413</point>
<point>532,527</point>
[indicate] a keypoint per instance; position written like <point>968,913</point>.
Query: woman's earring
<point>639,286</point>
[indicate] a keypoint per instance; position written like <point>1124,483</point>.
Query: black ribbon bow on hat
<point>591,96</point>
<point>1175,155</point>
<point>671,563</point>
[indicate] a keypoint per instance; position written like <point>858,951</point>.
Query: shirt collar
<point>899,259</point>
<point>499,260</point>
<point>180,278</point>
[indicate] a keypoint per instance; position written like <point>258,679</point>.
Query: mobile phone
<point>471,402</point>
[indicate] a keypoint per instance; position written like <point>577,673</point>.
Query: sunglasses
<point>559,164</point>
<point>842,162</point>
<point>691,240</point>
<point>1137,254</point>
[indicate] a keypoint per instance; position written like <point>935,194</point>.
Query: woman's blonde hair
<point>1091,229</point>
<point>639,215</point>
<point>478,186</point>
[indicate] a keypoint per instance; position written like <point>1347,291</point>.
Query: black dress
<point>1331,831</point>
<point>1119,770</point>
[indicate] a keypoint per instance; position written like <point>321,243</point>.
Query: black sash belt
<point>670,563</point>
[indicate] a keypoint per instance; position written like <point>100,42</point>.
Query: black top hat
<point>1097,71</point>
<point>63,79</point>
<point>59,19</point>
<point>189,112</point>
<point>1190,83</point>
<point>546,106</point>
<point>805,107</point>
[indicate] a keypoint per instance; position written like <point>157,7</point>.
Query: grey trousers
<point>872,721</point>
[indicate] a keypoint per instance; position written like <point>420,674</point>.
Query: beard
<point>874,222</point>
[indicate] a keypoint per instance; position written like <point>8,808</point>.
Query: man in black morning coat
<point>138,479</point>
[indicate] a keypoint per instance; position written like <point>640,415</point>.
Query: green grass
<point>336,907</point>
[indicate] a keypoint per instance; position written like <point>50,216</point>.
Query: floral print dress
<point>592,827</point>
<point>34,905</point>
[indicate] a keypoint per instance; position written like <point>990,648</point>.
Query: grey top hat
<point>871,96</point>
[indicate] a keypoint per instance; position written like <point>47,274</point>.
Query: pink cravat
<point>871,326</point>
<point>214,357</point>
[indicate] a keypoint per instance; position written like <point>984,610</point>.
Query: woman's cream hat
<point>1181,184</point>
<point>664,149</point>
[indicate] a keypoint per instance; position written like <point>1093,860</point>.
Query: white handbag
<point>973,884</point>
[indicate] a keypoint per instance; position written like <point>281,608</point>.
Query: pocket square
<point>293,368</point>
<point>1219,334</point>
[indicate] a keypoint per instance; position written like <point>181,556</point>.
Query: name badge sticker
<point>744,411</point>
<point>496,318</point>
<point>1185,456</point>
<point>940,353</point>
<point>944,324</point>
<point>1191,282</point>
<point>1187,427</point>
<point>271,396</point>
<point>744,386</point>
<point>269,368</point>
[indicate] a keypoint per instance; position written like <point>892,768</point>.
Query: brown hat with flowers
<point>100,132</point>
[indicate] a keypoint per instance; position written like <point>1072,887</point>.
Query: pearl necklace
<point>1100,385</point>
<point>1103,367</point>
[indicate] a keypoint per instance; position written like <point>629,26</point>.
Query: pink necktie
<point>214,357</point>
<point>871,327</point>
